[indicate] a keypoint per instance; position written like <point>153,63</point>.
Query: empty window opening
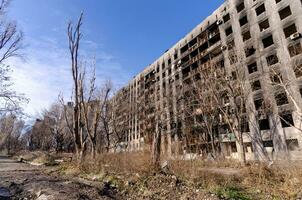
<point>298,70</point>
<point>252,67</point>
<point>233,58</point>
<point>295,49</point>
<point>268,41</point>
<point>277,1</point>
<point>213,40</point>
<point>230,44</point>
<point>245,124</point>
<point>175,56</point>
<point>233,147</point>
<point>258,103</point>
<point>250,51</point>
<point>240,7</point>
<point>193,42</point>
<point>288,31</point>
<point>184,49</point>
<point>203,47</point>
<point>256,85</point>
<point>248,147</point>
<point>292,144</point>
<point>275,77</point>
<point>285,12</point>
<point>272,59</point>
<point>281,99</point>
<point>226,18</point>
<point>260,9</point>
<point>234,75</point>
<point>185,59</point>
<point>229,31</point>
<point>268,143</point>
<point>286,119</point>
<point>246,35</point>
<point>194,66</point>
<point>264,124</point>
<point>243,21</point>
<point>186,71</point>
<point>194,53</point>
<point>197,77</point>
<point>264,25</point>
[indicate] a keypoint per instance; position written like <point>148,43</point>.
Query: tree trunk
<point>156,149</point>
<point>242,150</point>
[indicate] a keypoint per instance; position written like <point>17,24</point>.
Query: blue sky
<point>123,35</point>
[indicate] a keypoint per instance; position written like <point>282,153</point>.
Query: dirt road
<point>22,181</point>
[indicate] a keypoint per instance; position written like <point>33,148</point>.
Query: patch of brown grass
<point>119,163</point>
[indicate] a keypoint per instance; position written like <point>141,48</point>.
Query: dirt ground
<point>22,181</point>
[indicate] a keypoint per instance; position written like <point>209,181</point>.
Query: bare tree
<point>10,132</point>
<point>10,45</point>
<point>78,74</point>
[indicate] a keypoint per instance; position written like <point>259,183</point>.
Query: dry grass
<point>255,181</point>
<point>119,163</point>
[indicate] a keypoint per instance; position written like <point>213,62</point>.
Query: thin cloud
<point>46,72</point>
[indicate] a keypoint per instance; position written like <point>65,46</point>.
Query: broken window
<point>281,98</point>
<point>298,70</point>
<point>243,20</point>
<point>295,49</point>
<point>285,12</point>
<point>288,31</point>
<point>250,51</point>
<point>272,59</point>
<point>246,35</point>
<point>268,41</point>
<point>260,9</point>
<point>286,119</point>
<point>264,25</point>
<point>292,144</point>
<point>226,18</point>
<point>277,1</point>
<point>229,31</point>
<point>240,7</point>
<point>256,85</point>
<point>264,124</point>
<point>252,67</point>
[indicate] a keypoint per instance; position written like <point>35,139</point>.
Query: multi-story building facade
<point>266,35</point>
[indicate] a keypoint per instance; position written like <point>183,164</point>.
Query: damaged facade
<point>266,35</point>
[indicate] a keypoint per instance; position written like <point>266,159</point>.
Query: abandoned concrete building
<point>266,34</point>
